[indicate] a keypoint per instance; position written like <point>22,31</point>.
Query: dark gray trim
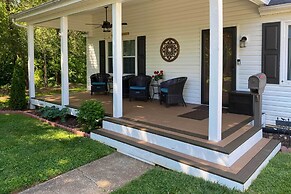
<point>271,39</point>
<point>141,55</point>
<point>102,57</point>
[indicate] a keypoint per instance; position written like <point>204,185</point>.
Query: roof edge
<point>275,9</point>
<point>260,2</point>
<point>42,8</point>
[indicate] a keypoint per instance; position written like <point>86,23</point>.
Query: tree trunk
<point>45,71</point>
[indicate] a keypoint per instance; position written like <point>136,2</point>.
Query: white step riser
<point>167,163</point>
<point>185,148</point>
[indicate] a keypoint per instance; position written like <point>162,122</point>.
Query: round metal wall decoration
<point>170,49</point>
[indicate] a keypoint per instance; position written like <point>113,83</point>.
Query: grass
<point>273,179</point>
<point>32,152</point>
<point>57,89</point>
<point>4,92</point>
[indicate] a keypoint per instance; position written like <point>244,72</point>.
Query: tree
<point>13,43</point>
<point>17,99</point>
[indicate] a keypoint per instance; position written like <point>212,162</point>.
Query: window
<point>289,54</point>
<point>128,57</point>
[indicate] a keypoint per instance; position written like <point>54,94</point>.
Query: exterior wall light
<point>242,42</point>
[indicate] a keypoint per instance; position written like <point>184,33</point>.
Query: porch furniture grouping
<point>139,87</point>
<point>99,82</point>
<point>172,91</point>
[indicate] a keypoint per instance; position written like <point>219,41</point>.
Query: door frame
<point>234,58</point>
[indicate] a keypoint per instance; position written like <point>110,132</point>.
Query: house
<point>247,37</point>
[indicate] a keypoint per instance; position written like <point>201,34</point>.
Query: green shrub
<point>90,115</point>
<point>53,113</point>
<point>17,99</point>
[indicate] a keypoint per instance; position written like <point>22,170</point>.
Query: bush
<point>17,99</point>
<point>90,115</point>
<point>53,113</point>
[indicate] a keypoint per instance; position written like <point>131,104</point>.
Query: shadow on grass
<point>32,152</point>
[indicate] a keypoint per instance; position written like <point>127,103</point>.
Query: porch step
<point>239,175</point>
<point>224,153</point>
<point>147,125</point>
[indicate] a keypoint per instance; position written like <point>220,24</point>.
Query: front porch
<point>153,113</point>
<point>159,135</point>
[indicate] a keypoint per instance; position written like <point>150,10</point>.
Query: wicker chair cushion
<point>165,90</point>
<point>137,88</point>
<point>98,83</point>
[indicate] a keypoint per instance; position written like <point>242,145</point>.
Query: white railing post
<point>216,70</point>
<point>64,61</point>
<point>117,59</point>
<point>30,40</point>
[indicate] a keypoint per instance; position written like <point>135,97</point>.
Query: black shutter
<point>271,52</point>
<point>102,57</point>
<point>141,55</point>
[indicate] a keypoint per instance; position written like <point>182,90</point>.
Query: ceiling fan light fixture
<point>106,30</point>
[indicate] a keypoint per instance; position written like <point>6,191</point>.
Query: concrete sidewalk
<point>101,176</point>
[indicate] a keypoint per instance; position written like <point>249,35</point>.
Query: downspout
<point>19,25</point>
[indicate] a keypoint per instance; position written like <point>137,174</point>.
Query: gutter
<point>43,8</point>
<point>19,25</point>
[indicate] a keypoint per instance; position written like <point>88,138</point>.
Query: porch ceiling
<point>78,11</point>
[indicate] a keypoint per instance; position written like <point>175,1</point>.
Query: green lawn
<point>275,179</point>
<point>32,152</point>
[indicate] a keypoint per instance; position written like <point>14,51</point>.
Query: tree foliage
<point>17,99</point>
<point>13,41</point>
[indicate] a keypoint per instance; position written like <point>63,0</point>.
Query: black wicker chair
<point>139,87</point>
<point>99,82</point>
<point>172,91</point>
<point>125,85</point>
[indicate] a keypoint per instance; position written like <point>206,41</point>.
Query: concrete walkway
<point>101,176</point>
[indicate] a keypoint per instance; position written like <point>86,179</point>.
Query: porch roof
<point>57,8</point>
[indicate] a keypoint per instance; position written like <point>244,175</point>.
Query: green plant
<point>17,99</point>
<point>90,114</point>
<point>52,113</point>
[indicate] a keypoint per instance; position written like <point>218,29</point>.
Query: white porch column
<point>117,59</point>
<point>30,39</point>
<point>216,70</point>
<point>64,61</point>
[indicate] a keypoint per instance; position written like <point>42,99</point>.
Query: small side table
<point>156,88</point>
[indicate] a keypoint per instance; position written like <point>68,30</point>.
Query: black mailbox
<point>257,83</point>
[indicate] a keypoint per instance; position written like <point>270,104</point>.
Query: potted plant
<point>158,76</point>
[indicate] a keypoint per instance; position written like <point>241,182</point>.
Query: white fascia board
<point>261,2</point>
<point>59,9</point>
<point>46,7</point>
<point>275,9</point>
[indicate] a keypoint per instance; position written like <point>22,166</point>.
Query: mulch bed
<point>70,125</point>
<point>283,138</point>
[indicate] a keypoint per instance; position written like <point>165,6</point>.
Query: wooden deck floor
<point>154,113</point>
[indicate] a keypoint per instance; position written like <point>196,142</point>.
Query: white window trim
<point>284,54</point>
<point>135,56</point>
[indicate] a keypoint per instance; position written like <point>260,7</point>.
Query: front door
<point>229,64</point>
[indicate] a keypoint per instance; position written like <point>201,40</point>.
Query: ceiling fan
<point>106,25</point>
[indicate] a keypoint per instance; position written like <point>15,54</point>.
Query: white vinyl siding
<point>184,20</point>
